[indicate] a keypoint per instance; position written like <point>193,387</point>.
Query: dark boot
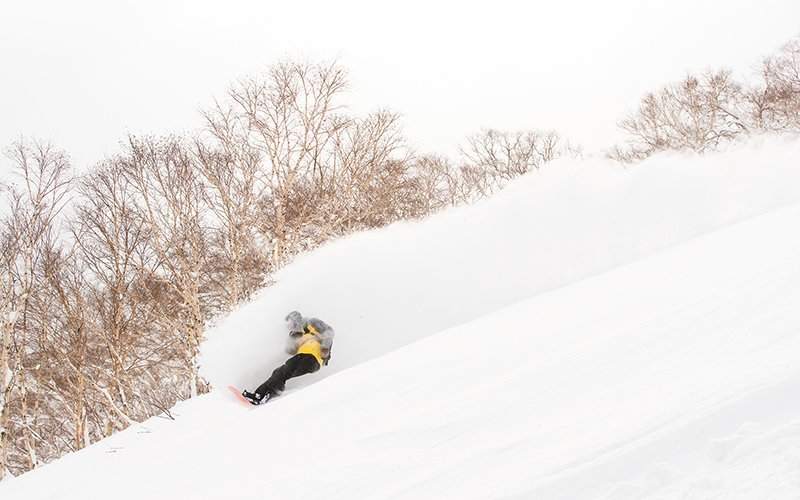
<point>257,398</point>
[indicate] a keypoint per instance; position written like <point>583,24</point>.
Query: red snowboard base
<point>238,395</point>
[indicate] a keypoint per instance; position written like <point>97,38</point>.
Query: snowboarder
<point>309,343</point>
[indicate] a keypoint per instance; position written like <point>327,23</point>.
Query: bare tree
<point>111,239</point>
<point>437,182</point>
<point>697,114</point>
<point>492,157</point>
<point>291,113</point>
<point>365,167</point>
<point>775,100</point>
<point>169,196</point>
<point>69,343</point>
<point>233,169</point>
<point>13,294</point>
<point>35,204</point>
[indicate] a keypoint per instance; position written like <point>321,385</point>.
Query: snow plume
<point>574,218</point>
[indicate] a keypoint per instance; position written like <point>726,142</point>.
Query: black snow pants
<point>299,364</point>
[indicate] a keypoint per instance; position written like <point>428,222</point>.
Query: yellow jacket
<point>309,343</point>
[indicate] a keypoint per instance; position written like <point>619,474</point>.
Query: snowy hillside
<point>590,332</point>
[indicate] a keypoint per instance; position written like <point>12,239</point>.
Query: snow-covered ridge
<point>573,219</point>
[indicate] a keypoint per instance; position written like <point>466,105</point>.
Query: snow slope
<point>672,376</point>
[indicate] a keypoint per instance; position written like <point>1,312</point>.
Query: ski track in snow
<point>674,376</point>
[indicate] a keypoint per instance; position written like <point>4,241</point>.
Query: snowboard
<point>238,395</point>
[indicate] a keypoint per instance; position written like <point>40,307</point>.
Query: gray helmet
<point>294,320</point>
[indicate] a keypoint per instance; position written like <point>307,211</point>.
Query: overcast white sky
<point>83,73</point>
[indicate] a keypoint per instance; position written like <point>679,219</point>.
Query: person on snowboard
<point>309,343</point>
